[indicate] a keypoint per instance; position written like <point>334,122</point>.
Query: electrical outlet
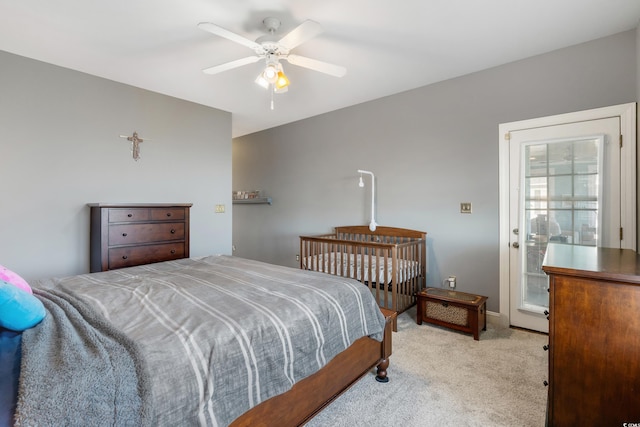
<point>465,207</point>
<point>452,281</point>
<point>297,257</point>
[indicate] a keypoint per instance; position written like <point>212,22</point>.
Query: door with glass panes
<point>565,189</point>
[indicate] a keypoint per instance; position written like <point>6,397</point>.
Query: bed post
<point>391,318</point>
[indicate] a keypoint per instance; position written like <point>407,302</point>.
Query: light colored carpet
<point>439,377</point>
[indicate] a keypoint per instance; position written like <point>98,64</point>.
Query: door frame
<point>628,183</point>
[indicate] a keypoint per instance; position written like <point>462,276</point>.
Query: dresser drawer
<point>168,214</point>
<point>136,255</point>
<point>129,234</point>
<point>128,214</point>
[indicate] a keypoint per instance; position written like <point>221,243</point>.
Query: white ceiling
<point>387,46</point>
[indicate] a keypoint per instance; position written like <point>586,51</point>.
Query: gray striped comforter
<point>221,334</point>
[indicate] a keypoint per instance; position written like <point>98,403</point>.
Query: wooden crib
<point>390,261</point>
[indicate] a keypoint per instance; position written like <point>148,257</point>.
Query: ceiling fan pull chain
<point>271,98</point>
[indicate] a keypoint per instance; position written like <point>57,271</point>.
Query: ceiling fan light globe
<point>281,81</point>
<point>261,81</point>
<point>270,74</point>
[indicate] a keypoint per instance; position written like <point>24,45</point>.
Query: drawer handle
<point>168,213</point>
<point>545,382</point>
<point>129,215</point>
<point>124,257</point>
<point>445,304</point>
<point>173,251</point>
<point>124,234</point>
<point>545,347</point>
<point>173,231</point>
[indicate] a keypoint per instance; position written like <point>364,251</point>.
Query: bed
<point>390,261</point>
<point>215,341</point>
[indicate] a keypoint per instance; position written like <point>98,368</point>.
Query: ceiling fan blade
<point>230,65</point>
<point>314,64</point>
<point>303,32</point>
<point>219,31</point>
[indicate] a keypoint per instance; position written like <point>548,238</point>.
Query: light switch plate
<point>465,207</point>
<point>219,208</point>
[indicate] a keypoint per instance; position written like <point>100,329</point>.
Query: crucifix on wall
<point>135,144</point>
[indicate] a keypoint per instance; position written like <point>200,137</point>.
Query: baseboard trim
<point>497,319</point>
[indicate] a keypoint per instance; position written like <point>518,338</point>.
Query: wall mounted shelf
<point>254,201</point>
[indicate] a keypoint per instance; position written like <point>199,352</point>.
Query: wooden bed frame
<point>403,248</point>
<point>311,395</point>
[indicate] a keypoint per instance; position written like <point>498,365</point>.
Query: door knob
<point>515,245</point>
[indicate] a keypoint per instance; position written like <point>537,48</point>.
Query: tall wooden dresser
<point>594,336</point>
<point>125,235</point>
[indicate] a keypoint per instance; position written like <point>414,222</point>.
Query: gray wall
<point>431,149</point>
<point>60,149</point>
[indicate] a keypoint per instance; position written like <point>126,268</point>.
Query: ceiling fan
<point>272,49</point>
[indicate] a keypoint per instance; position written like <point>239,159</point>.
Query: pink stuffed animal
<point>11,277</point>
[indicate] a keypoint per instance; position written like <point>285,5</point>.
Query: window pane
<point>537,224</point>
<point>586,156</point>
<point>560,187</point>
<point>586,224</point>
<point>560,158</point>
<point>586,187</point>
<point>536,290</point>
<point>564,219</point>
<point>536,160</point>
<point>535,192</point>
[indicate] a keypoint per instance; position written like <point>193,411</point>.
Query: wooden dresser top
<point>588,261</point>
<point>138,205</point>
